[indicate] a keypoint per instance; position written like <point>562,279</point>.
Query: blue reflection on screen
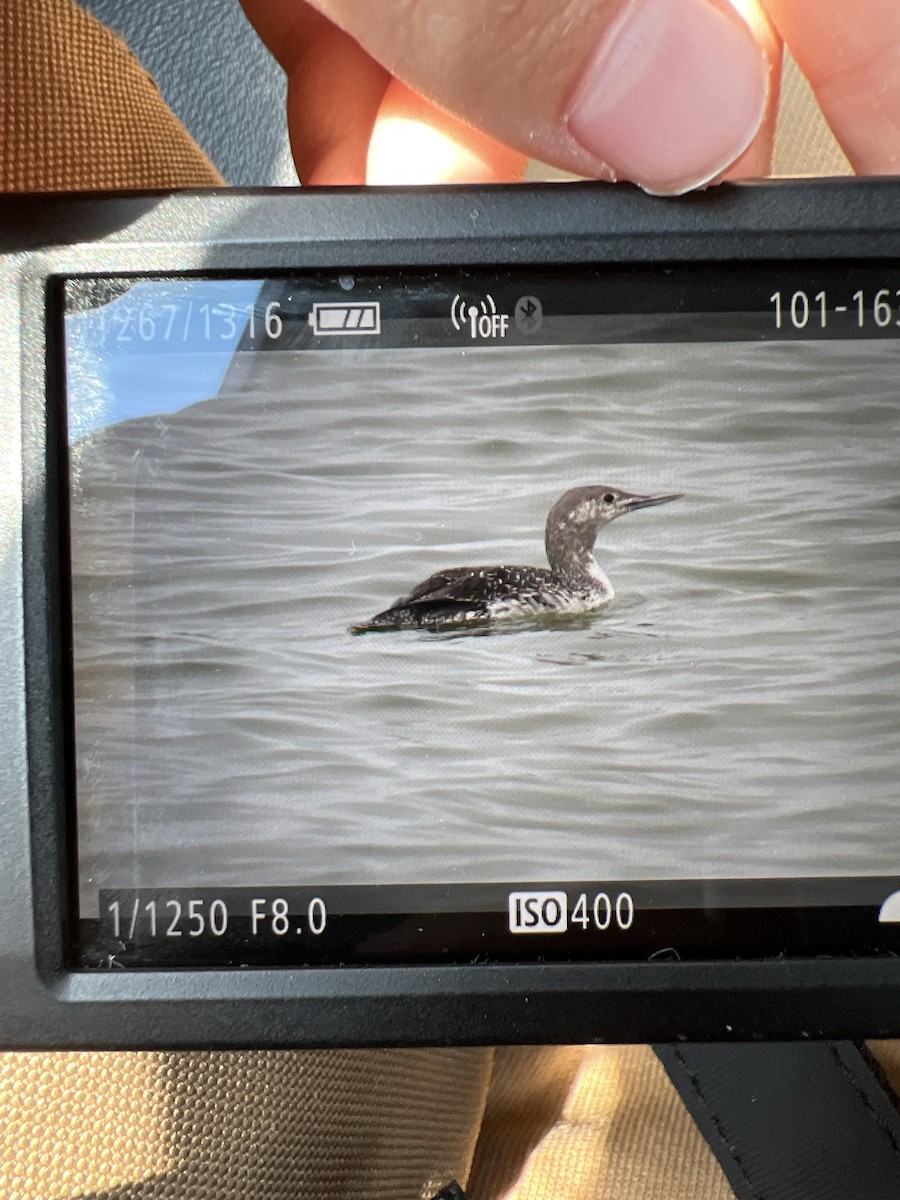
<point>162,346</point>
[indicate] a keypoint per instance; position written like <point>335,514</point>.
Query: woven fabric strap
<point>272,1125</point>
<point>79,113</point>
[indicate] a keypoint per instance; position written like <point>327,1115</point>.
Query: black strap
<point>792,1120</point>
<point>451,1192</point>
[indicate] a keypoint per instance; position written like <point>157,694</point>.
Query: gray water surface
<point>734,712</point>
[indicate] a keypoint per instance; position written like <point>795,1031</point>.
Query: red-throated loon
<point>575,582</point>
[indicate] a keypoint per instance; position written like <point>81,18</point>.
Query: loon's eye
<point>609,498</point>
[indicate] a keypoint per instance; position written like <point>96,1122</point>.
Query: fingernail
<point>674,94</point>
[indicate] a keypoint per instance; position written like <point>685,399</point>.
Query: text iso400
<point>551,912</point>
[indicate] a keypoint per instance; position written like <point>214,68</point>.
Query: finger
<point>757,160</point>
<point>413,142</point>
<point>668,93</point>
<point>361,126</point>
<point>334,90</point>
<point>850,53</point>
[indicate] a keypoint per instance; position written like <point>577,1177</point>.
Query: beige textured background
<point>263,1125</point>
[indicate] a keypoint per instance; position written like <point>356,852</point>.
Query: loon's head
<point>578,515</point>
<point>598,504</point>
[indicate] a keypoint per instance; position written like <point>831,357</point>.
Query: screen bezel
<point>43,1001</point>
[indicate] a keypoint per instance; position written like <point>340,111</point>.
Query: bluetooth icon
<point>529,314</point>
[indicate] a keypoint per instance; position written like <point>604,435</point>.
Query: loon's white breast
<point>555,598</point>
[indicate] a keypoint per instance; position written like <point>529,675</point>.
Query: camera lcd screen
<point>485,616</point>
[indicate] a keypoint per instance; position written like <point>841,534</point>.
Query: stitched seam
<point>867,1103</point>
<point>717,1125</point>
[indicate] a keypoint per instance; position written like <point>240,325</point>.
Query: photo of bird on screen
<point>575,582</point>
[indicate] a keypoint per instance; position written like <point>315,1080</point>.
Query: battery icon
<point>343,320</point>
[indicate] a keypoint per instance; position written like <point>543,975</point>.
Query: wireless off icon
<point>481,321</point>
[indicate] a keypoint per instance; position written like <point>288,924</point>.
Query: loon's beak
<point>630,503</point>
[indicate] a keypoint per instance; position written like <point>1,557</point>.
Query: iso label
<point>549,912</point>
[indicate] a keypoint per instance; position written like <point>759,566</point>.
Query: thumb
<point>850,53</point>
<point>668,93</point>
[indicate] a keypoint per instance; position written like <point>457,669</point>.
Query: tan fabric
<point>79,113</point>
<point>269,1125</point>
<point>888,1055</point>
<point>529,1089</point>
<point>620,1131</point>
<point>804,144</point>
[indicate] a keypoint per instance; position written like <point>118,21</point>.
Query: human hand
<point>671,94</point>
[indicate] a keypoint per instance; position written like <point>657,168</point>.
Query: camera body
<point>245,807</point>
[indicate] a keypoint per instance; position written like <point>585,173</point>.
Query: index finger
<point>334,89</point>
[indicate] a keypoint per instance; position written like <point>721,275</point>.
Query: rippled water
<point>734,712</point>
